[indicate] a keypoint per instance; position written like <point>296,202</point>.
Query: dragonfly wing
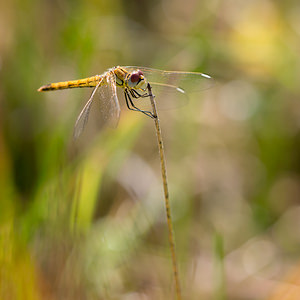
<point>115,110</point>
<point>102,108</point>
<point>184,81</point>
<point>84,114</point>
<point>171,88</point>
<point>108,108</point>
<point>166,97</point>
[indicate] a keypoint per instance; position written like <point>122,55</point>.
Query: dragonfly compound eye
<point>135,76</point>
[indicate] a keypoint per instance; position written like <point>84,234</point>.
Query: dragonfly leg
<point>136,94</point>
<point>134,108</point>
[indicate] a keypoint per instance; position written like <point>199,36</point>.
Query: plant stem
<point>166,193</point>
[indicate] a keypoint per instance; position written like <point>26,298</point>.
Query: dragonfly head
<point>136,80</point>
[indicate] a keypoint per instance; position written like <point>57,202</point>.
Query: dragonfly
<point>132,81</point>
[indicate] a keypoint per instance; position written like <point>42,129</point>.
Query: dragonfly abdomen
<point>86,82</point>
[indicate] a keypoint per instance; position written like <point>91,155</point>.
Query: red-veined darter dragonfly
<point>133,81</point>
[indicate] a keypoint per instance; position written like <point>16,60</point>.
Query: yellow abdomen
<point>85,82</point>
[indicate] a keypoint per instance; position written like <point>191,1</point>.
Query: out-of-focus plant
<point>89,225</point>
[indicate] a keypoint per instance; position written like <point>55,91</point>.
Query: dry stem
<point>166,193</point>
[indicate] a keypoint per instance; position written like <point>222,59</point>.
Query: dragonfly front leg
<point>136,94</point>
<point>131,105</point>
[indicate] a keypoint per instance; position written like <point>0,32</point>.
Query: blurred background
<point>87,221</point>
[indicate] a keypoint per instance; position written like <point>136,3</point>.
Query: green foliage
<point>85,220</point>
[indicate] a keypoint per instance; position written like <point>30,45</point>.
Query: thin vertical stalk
<point>166,193</point>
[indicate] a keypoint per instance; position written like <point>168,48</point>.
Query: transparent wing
<point>167,97</point>
<point>110,107</point>
<point>171,88</point>
<point>102,107</point>
<point>84,114</point>
<point>180,81</point>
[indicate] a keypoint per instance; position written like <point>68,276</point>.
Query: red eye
<point>135,76</point>
<point>140,72</point>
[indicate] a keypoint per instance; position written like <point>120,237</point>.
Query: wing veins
<point>84,114</point>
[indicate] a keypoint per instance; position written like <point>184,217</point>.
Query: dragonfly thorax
<point>130,80</point>
<point>120,74</point>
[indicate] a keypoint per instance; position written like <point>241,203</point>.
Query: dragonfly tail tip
<point>43,88</point>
